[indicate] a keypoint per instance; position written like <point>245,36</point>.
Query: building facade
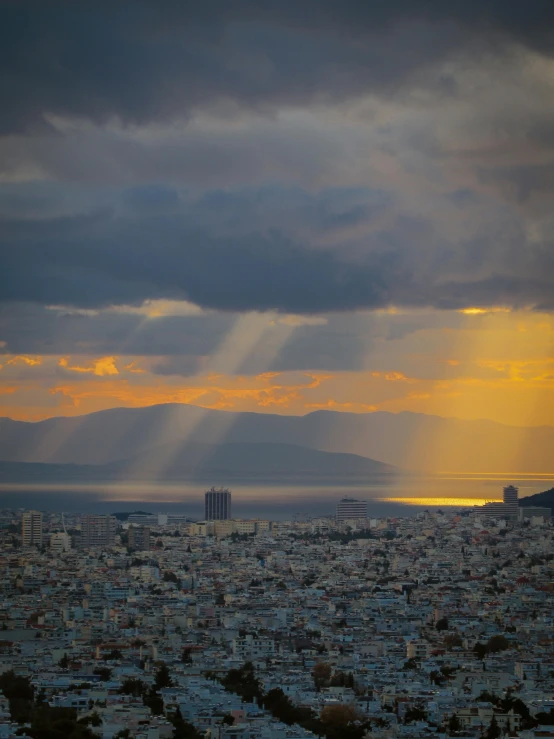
<point>139,537</point>
<point>217,504</point>
<point>508,509</point>
<point>97,531</point>
<point>60,542</point>
<point>349,509</point>
<point>31,529</point>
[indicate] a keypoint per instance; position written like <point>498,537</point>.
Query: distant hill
<point>208,463</point>
<point>545,500</point>
<point>409,440</point>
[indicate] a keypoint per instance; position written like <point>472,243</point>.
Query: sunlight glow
<point>465,502</point>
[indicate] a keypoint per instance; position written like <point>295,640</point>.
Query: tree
<point>415,713</point>
<point>498,643</point>
<point>154,701</point>
<point>493,732</point>
<point>104,672</point>
<point>228,719</point>
<point>171,577</point>
<point>480,650</point>
<point>243,682</point>
<point>163,678</point>
<point>454,724</point>
<point>453,640</point>
<point>321,674</point>
<point>339,716</point>
<point>442,624</point>
<point>183,729</point>
<point>132,686</point>
<point>64,662</point>
<point>93,719</point>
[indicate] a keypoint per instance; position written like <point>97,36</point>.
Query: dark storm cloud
<point>149,61</point>
<point>102,258</point>
<point>99,261</point>
<point>33,329</point>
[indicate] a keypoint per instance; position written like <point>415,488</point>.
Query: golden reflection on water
<point>441,501</point>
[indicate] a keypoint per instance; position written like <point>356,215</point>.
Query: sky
<point>278,207</point>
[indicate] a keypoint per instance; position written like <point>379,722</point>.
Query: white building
<point>60,542</point>
<point>349,509</point>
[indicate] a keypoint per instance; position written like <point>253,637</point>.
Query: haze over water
<point>402,496</point>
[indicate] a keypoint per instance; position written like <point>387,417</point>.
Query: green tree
<point>154,701</point>
<point>64,662</point>
<point>454,724</point>
<point>163,678</point>
<point>183,729</point>
<point>415,713</point>
<point>498,643</point>
<point>104,673</point>
<point>93,719</point>
<point>480,650</point>
<point>132,686</point>
<point>493,732</point>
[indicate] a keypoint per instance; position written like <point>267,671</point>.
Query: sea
<point>398,496</point>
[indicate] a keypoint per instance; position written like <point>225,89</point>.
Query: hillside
<point>545,499</point>
<point>208,463</point>
<point>408,440</point>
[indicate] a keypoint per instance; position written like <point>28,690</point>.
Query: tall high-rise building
<point>217,504</point>
<point>31,529</point>
<point>139,537</point>
<point>351,509</point>
<point>511,495</point>
<point>508,509</point>
<point>97,531</point>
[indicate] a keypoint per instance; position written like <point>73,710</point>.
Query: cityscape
<point>276,369</point>
<point>146,624</point>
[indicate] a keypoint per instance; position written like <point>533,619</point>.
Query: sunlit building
<point>217,504</point>
<point>508,509</point>
<point>349,509</point>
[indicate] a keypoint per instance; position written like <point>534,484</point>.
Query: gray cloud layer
<point>332,254</point>
<point>301,157</point>
<point>146,61</point>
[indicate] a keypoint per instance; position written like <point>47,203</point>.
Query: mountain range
<point>218,464</point>
<point>544,500</point>
<point>176,436</point>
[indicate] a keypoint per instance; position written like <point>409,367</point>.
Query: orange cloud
<point>393,376</point>
<point>131,367</point>
<point>100,367</point>
<point>215,391</point>
<point>24,359</point>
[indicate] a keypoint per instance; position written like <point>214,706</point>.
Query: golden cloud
<point>100,367</point>
<point>25,359</point>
